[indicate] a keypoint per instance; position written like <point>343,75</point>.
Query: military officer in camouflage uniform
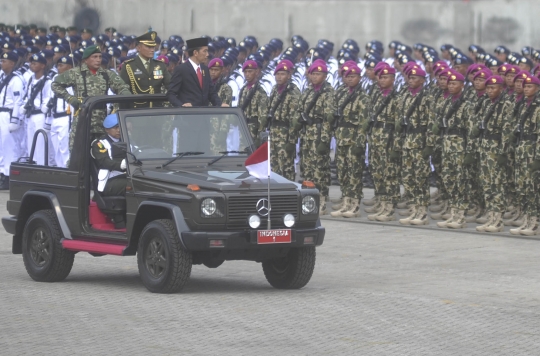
<point>493,130</point>
<point>350,133</point>
<point>143,73</point>
<point>253,100</point>
<point>283,120</point>
<point>455,124</point>
<point>224,91</point>
<point>87,80</point>
<point>528,158</point>
<point>317,116</point>
<point>414,108</point>
<point>221,126</point>
<point>384,158</point>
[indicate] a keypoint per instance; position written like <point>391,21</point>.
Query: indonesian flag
<point>258,164</point>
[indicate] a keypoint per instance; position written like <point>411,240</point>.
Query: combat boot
<point>404,204</point>
<point>482,228</point>
<point>458,222</point>
<point>371,201</point>
<point>435,196</point>
<point>509,221</point>
<point>484,218</point>
<point>354,209</point>
<point>496,224</point>
<point>336,200</point>
<point>443,224</point>
<point>473,215</point>
<point>523,226</point>
<point>322,206</point>
<point>510,212</point>
<point>373,216</point>
<point>421,217</point>
<point>443,213</point>
<point>439,208</point>
<point>520,219</point>
<point>339,205</point>
<point>407,212</point>
<point>387,214</point>
<point>532,227</point>
<point>407,221</point>
<point>344,208</point>
<point>375,208</point>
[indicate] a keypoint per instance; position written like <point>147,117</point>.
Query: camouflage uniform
<point>349,134</point>
<point>415,168</point>
<point>256,110</point>
<point>454,145</point>
<point>438,102</point>
<point>85,84</point>
<point>493,142</point>
<point>225,93</point>
<point>527,150</point>
<point>511,166</point>
<point>314,166</point>
<point>385,170</point>
<point>283,131</point>
<point>221,126</point>
<point>472,172</point>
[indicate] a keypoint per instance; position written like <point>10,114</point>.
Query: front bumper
<point>9,223</point>
<point>247,240</point>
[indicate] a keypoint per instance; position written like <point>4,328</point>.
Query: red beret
<point>346,65</point>
<point>250,64</point>
<point>532,80</point>
<point>379,66</point>
<point>456,77</point>
<point>216,62</point>
<point>283,66</point>
<point>418,72</point>
<point>439,70</point>
<point>494,80</point>
<point>387,70</point>
<point>318,66</point>
<point>522,75</point>
<point>484,74</point>
<point>352,70</point>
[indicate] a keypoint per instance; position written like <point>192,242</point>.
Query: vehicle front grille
<point>240,207</point>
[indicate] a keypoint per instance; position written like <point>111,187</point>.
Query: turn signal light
<point>308,184</point>
<point>193,187</point>
<point>308,240</point>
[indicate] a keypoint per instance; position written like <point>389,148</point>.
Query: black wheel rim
<point>40,247</point>
<point>156,257</point>
<point>281,265</point>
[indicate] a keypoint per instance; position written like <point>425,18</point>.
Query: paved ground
<point>377,290</point>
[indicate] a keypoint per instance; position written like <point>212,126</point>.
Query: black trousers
<point>115,186</point>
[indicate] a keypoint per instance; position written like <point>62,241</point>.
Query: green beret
<point>90,50</point>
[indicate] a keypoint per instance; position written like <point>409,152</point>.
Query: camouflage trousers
<point>282,162</point>
<point>493,177</point>
<point>385,173</point>
<point>526,188</point>
<point>454,178</point>
<point>350,169</point>
<point>473,184</point>
<point>415,171</point>
<point>510,179</point>
<point>315,167</point>
<point>436,161</point>
<point>96,126</point>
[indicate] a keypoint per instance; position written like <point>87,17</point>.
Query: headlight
<point>208,207</point>
<point>288,220</point>
<point>254,221</point>
<point>309,205</point>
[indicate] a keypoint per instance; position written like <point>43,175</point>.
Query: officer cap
<point>110,121</point>
<point>12,56</point>
<point>197,43</point>
<point>90,51</point>
<point>38,58</point>
<point>148,39</point>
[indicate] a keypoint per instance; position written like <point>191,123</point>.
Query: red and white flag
<point>258,163</point>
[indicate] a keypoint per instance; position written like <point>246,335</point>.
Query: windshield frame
<point>148,112</point>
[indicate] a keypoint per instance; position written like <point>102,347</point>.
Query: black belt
<point>252,121</point>
<point>456,132</point>
<point>6,110</point>
<point>347,124</point>
<point>419,129</point>
<point>384,125</point>
<point>495,137</point>
<point>60,114</point>
<point>532,137</point>
<point>277,123</point>
<point>317,121</point>
<point>35,112</point>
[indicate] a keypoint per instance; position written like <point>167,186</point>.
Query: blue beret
<point>65,60</point>
<point>12,56</point>
<point>110,121</point>
<point>47,53</point>
<point>38,58</point>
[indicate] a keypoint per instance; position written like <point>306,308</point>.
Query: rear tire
<point>292,271</point>
<point>164,266</point>
<point>44,257</point>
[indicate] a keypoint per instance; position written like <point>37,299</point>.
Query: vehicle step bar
<point>93,247</point>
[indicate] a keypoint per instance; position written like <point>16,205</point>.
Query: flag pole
<point>269,203</point>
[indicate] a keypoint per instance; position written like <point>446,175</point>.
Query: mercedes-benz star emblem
<point>263,207</point>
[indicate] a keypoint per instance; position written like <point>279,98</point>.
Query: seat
<point>113,206</point>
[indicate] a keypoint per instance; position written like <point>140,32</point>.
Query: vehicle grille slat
<point>239,208</point>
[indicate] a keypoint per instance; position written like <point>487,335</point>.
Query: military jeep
<point>189,200</point>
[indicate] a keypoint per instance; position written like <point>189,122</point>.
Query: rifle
<point>273,109</point>
<point>29,107</point>
<point>417,100</point>
<point>250,95</point>
<point>523,118</point>
<point>455,106</point>
<point>338,116</point>
<point>484,122</point>
<point>383,106</point>
<point>306,119</point>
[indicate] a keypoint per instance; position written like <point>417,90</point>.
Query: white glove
<point>13,127</point>
<point>123,164</point>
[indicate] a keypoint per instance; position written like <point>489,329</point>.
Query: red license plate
<point>274,236</point>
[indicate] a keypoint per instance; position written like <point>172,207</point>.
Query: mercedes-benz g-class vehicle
<point>188,200</point>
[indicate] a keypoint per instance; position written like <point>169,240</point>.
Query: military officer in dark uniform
<point>143,73</point>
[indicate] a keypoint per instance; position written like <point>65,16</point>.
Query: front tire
<point>44,257</point>
<point>292,271</point>
<point>164,266</point>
